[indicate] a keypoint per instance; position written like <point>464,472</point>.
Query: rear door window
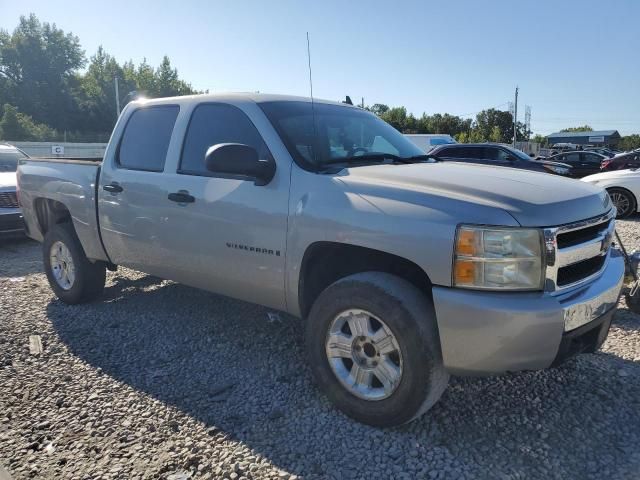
<point>496,154</point>
<point>146,138</point>
<point>591,158</point>
<point>571,158</point>
<point>463,152</point>
<point>214,123</point>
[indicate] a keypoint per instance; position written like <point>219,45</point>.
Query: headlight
<point>558,170</point>
<point>498,258</point>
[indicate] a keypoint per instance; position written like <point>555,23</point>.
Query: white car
<point>623,187</point>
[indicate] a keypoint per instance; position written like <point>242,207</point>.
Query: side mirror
<point>239,161</point>
<point>532,155</point>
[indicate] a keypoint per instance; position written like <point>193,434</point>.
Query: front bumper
<point>11,223</point>
<point>483,333</point>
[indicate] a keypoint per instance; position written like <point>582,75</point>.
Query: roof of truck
<point>235,96</point>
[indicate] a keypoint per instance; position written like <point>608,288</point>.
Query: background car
<point>498,155</point>
<point>601,150</point>
<point>622,161</point>
<point>11,223</point>
<point>582,163</point>
<point>623,187</point>
<point>427,142</point>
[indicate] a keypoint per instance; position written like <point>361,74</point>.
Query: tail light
<point>604,164</point>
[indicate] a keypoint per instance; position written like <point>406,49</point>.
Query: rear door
<point>572,159</point>
<point>132,195</point>
<point>590,163</point>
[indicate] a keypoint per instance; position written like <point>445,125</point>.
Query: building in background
<point>608,138</point>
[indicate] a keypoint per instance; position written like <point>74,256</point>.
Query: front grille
<point>576,237</point>
<point>8,200</point>
<point>578,271</point>
<point>577,252</point>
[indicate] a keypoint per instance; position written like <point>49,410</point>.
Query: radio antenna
<point>313,110</point>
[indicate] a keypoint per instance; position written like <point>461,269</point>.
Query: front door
<point>227,235</point>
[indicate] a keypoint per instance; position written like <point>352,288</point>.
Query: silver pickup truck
<point>405,269</point>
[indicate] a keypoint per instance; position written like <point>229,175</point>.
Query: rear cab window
<point>146,138</point>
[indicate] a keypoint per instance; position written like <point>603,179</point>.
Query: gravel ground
<point>158,380</point>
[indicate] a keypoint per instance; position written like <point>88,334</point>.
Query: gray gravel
<point>158,380</point>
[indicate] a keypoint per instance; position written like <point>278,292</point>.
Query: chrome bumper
<point>491,332</point>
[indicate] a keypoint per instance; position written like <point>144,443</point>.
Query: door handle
<point>113,188</point>
<point>182,197</point>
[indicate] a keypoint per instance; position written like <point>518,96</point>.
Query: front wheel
<point>72,277</point>
<point>374,348</point>
<point>623,200</point>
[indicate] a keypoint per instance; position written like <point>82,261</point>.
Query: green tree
<point>630,142</point>
<point>18,126</point>
<point>541,139</point>
<point>97,95</point>
<point>396,117</point>
<point>583,128</point>
<point>38,65</point>
<point>378,108</point>
<point>488,120</point>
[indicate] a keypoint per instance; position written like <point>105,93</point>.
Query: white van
<point>427,141</point>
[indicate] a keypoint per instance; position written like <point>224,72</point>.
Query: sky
<point>575,62</point>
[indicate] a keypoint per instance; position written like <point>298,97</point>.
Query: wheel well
<point>326,262</point>
<point>50,212</point>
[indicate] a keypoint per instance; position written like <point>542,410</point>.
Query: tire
<point>86,282</point>
<point>621,196</point>
<point>398,308</point>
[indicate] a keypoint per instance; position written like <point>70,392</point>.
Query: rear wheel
<point>623,200</point>
<point>72,277</point>
<point>374,348</point>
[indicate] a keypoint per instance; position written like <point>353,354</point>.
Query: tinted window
<point>463,152</point>
<point>323,134</point>
<point>146,138</point>
<point>591,158</point>
<point>214,123</point>
<point>9,160</point>
<point>496,154</point>
<point>571,158</point>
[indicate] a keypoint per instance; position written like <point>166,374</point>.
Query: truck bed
<point>70,181</point>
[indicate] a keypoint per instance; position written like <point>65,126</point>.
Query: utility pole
<point>115,80</point>
<point>515,118</point>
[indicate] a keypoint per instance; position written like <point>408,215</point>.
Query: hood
<point>629,173</point>
<point>8,180</point>
<point>531,198</point>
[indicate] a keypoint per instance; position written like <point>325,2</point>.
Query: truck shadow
<point>224,363</point>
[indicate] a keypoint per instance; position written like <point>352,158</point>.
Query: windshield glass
<point>341,134</point>
<point>9,160</point>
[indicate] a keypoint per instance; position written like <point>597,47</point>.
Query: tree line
<point>45,94</point>
<point>50,91</point>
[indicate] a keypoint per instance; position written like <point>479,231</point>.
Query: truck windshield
<point>341,135</point>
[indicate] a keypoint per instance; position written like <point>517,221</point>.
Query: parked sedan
<point>11,224</point>
<point>498,155</point>
<point>623,187</point>
<point>582,163</point>
<point>622,161</point>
